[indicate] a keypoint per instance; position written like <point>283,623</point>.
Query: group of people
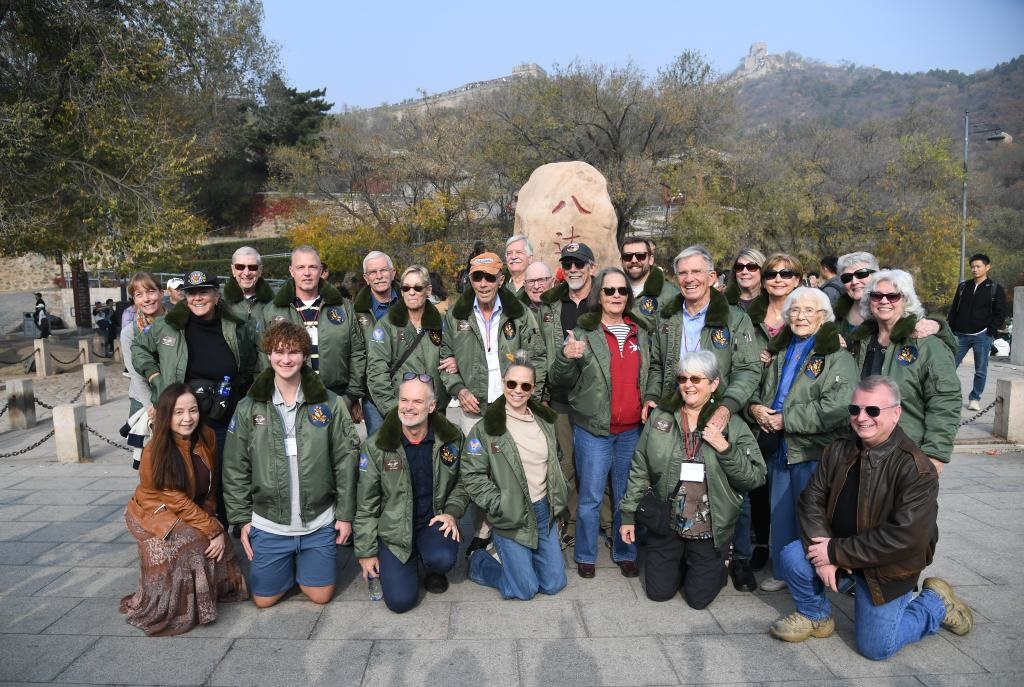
<point>718,431</point>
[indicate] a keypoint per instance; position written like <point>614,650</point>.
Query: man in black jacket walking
<point>976,316</point>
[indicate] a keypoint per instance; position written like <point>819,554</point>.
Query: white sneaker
<point>974,405</point>
<point>772,585</point>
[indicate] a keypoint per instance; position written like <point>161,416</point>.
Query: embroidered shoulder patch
<point>377,335</point>
<point>319,415</point>
<point>335,314</point>
<point>648,305</point>
<point>363,320</point>
<point>815,366</point>
<point>720,337</point>
<point>231,425</point>
<point>462,326</point>
<point>364,462</point>
<point>392,465</point>
<point>435,337</point>
<point>662,425</point>
<point>474,447</point>
<point>549,317</point>
<point>259,419</point>
<point>449,454</point>
<point>907,355</point>
<point>509,330</point>
<point>168,340</point>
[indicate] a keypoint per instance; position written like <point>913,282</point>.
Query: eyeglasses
<point>481,276</point>
<point>612,290</point>
<point>692,379</point>
<point>382,270</point>
<point>806,312</point>
<point>422,376</point>
<point>406,288</point>
<point>879,296</point>
<point>785,274</point>
<point>630,257</point>
<point>872,411</point>
<point>540,281</point>
<point>572,263</point>
<point>525,386</point>
<point>749,267</point>
<point>863,273</point>
<point>243,268</point>
<point>694,273</point>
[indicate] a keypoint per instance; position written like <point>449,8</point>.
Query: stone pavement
<point>66,559</point>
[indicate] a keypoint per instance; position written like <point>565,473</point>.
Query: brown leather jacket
<point>159,510</point>
<point>897,506</point>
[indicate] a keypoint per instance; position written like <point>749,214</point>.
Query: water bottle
<point>224,388</point>
<point>373,585</point>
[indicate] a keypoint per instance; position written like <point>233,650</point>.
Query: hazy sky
<point>366,53</point>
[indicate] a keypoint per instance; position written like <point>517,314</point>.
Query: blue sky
<point>366,53</point>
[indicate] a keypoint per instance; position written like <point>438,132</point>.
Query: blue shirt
<point>421,474</point>
<point>692,325</point>
<point>379,309</point>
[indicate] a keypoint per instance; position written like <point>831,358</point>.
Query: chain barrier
<point>77,396</point>
<point>68,362</point>
<point>19,362</point>
<point>990,406</point>
<point>100,355</point>
<point>109,441</point>
<point>4,409</point>
<point>47,437</point>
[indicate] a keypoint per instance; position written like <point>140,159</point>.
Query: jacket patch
<point>449,454</point>
<point>474,447</point>
<point>648,305</point>
<point>231,425</point>
<point>259,420</point>
<point>435,337</point>
<point>462,326</point>
<point>278,318</point>
<point>319,415</point>
<point>549,317</point>
<point>495,447</point>
<point>335,314</point>
<point>815,366</point>
<point>664,329</point>
<point>662,425</point>
<point>509,330</point>
<point>377,335</point>
<point>168,340</point>
<point>364,462</point>
<point>907,355</point>
<point>392,465</point>
<point>363,320</point>
<point>401,335</point>
<point>720,337</point>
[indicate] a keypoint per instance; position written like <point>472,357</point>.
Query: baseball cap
<point>580,251</point>
<point>175,283</point>
<point>200,279</point>
<point>485,262</point>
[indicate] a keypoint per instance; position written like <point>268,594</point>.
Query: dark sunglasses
<point>872,411</point>
<point>785,274</point>
<point>251,268</point>
<point>879,296</point>
<point>573,263</point>
<point>692,379</point>
<point>749,267</point>
<point>484,276</point>
<point>413,287</point>
<point>860,274</point>
<point>629,257</point>
<point>422,376</point>
<point>525,386</point>
<point>612,290</point>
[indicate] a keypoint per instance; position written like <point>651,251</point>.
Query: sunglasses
<point>573,263</point>
<point>251,268</point>
<point>612,290</point>
<point>860,274</point>
<point>406,288</point>
<point>422,376</point>
<point>484,276</point>
<point>630,257</point>
<point>879,296</point>
<point>692,379</point>
<point>785,274</point>
<point>872,411</point>
<point>748,267</point>
<point>525,386</point>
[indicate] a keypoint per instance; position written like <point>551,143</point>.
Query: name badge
<point>691,472</point>
<point>291,447</point>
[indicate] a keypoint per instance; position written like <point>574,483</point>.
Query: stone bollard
<point>1017,342</point>
<point>85,350</point>
<point>1009,419</point>
<point>21,403</point>
<point>70,434</point>
<point>117,350</point>
<point>96,391</point>
<point>43,361</point>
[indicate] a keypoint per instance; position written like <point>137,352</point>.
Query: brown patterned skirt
<point>180,587</point>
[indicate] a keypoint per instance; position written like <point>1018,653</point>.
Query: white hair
<point>373,255</point>
<point>516,239</point>
<point>247,250</point>
<point>704,362</point>
<point>858,258</point>
<point>873,382</point>
<point>904,284</point>
<point>816,295</point>
<point>689,253</point>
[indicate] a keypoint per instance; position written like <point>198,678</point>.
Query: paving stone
<point>32,658</point>
<point>80,513</point>
<point>292,619</point>
<point>547,617</point>
<point>88,582</point>
<point>754,613</point>
<point>443,662</point>
<point>17,531</point>
<point>13,511</point>
<point>124,484</point>
<point>29,615</point>
<point>614,619</point>
<point>18,553</point>
<point>896,681</point>
<point>317,662</point>
<point>60,497</point>
<point>972,680</point>
<point>50,482</point>
<point>92,617</point>
<point>997,647</point>
<point>373,620</point>
<point>736,658</point>
<point>996,603</point>
<point>27,579</point>
<point>600,587</point>
<point>174,661</point>
<point>592,662</point>
<point>92,555</point>
<point>71,532</point>
<point>931,654</point>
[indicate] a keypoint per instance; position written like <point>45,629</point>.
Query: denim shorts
<point>279,561</point>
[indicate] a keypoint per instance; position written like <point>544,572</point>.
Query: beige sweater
<point>533,451</point>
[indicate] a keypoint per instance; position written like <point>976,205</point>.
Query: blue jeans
<point>523,571</point>
<point>372,417</point>
<point>881,630</point>
<point>742,547</point>
<point>596,457</point>
<point>982,346</point>
<point>786,483</point>
<point>400,582</point>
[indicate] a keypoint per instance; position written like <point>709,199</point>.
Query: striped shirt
<point>309,312</point>
<point>621,331</point>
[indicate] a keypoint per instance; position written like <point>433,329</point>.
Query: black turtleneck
<point>208,354</point>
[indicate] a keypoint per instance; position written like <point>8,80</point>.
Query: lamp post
<point>997,134</point>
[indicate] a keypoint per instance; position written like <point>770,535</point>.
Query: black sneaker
<point>742,576</point>
<point>477,543</point>
<point>435,583</point>
<point>759,557</point>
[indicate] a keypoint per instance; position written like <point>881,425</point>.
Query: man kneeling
<point>410,497</point>
<point>869,511</point>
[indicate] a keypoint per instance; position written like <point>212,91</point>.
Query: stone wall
<point>30,272</point>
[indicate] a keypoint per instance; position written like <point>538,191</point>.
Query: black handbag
<point>212,406</point>
<point>654,514</point>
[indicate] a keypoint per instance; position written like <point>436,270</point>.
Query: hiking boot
<point>742,576</point>
<point>435,583</point>
<point>796,627</point>
<point>959,619</point>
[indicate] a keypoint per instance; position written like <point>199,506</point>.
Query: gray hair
<point>373,255</point>
<point>521,359</point>
<point>594,299</point>
<point>904,284</point>
<point>517,238</point>
<point>689,253</point>
<point>858,258</point>
<point>704,362</point>
<point>874,382</point>
<point>306,248</point>
<point>431,396</point>
<point>420,270</point>
<point>817,295</point>
<point>754,254</point>
<point>247,250</point>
